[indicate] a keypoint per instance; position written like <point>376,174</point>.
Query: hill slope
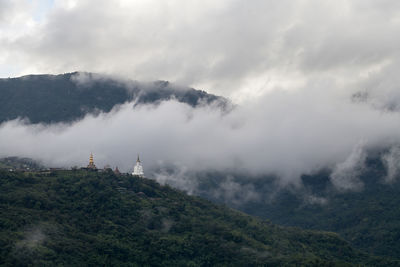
<point>368,219</point>
<point>16,163</point>
<point>68,97</point>
<point>88,218</point>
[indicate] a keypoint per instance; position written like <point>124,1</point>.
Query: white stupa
<point>138,169</point>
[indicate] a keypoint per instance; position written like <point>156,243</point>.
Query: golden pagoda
<point>91,163</point>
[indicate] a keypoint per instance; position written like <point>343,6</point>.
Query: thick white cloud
<point>284,133</point>
<point>294,65</point>
<point>232,47</point>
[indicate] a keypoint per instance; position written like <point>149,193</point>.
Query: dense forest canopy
<point>367,217</point>
<point>82,217</point>
<point>69,97</point>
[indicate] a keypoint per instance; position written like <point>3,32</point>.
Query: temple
<point>91,163</point>
<point>116,171</point>
<point>138,169</point>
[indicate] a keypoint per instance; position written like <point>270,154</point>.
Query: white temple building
<point>138,168</point>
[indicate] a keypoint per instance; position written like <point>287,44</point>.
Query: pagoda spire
<point>91,163</point>
<point>116,171</point>
<point>138,168</point>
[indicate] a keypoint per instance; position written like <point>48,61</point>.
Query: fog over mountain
<point>316,82</point>
<point>287,133</point>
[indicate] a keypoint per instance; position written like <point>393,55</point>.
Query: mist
<point>313,81</point>
<point>284,133</point>
<point>234,48</point>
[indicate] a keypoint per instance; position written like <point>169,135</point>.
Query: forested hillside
<point>88,218</point>
<point>65,98</point>
<point>368,218</point>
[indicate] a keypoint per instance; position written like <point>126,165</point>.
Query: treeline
<point>80,218</point>
<point>368,218</point>
<point>61,98</point>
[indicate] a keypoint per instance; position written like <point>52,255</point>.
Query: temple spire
<point>91,163</point>
<point>116,171</point>
<point>138,168</point>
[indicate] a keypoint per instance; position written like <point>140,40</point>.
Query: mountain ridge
<point>367,218</point>
<point>69,97</point>
<point>88,218</point>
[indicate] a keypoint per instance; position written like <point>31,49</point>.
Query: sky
<point>316,82</point>
<point>230,47</point>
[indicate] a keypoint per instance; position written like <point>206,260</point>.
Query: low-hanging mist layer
<point>282,133</point>
<point>317,82</point>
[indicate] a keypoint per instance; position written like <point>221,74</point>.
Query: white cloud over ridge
<point>293,65</point>
<point>284,133</point>
<point>236,48</point>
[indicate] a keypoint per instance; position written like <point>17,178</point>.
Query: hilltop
<point>81,217</point>
<point>368,218</point>
<point>70,96</point>
<point>17,163</point>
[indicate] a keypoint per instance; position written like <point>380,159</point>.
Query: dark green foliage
<point>162,90</point>
<point>87,218</point>
<point>17,163</point>
<point>369,219</point>
<point>58,98</point>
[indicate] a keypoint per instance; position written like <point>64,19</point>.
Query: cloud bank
<point>233,47</point>
<point>314,79</point>
<point>283,133</point>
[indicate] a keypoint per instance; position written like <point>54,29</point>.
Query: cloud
<point>315,200</point>
<point>234,48</point>
<point>293,66</point>
<point>391,161</point>
<point>345,175</point>
<point>283,133</point>
<point>33,238</point>
<point>30,247</point>
<point>235,193</point>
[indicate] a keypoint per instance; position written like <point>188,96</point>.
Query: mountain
<point>368,218</point>
<point>69,97</point>
<point>16,163</point>
<point>85,218</point>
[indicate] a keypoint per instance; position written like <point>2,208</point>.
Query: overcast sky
<point>231,47</point>
<point>314,79</point>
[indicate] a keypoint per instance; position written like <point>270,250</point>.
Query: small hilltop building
<point>138,168</point>
<point>91,165</point>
